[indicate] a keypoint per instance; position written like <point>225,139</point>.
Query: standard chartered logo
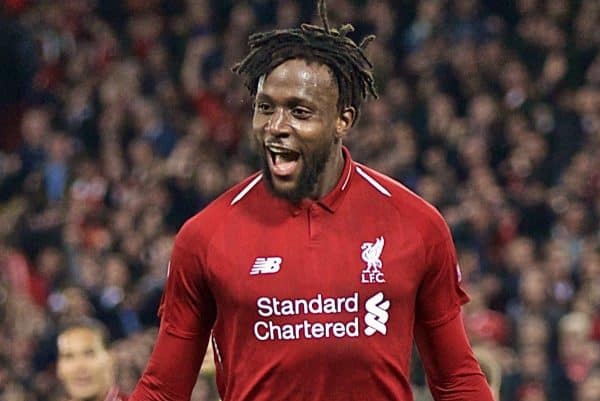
<point>377,314</point>
<point>339,317</point>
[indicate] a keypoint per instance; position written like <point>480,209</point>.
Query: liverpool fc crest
<point>371,255</point>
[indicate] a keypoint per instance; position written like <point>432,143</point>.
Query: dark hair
<point>329,46</point>
<point>88,323</point>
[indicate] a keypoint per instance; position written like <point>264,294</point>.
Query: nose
<point>277,124</point>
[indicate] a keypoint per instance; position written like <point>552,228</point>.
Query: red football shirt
<point>317,301</point>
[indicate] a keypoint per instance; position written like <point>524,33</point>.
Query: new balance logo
<point>377,315</point>
<point>268,265</point>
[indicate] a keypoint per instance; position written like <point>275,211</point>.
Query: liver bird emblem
<point>371,252</point>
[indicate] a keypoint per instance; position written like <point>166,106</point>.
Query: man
<point>84,364</point>
<point>313,275</point>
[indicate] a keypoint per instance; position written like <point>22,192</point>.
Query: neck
<point>331,173</point>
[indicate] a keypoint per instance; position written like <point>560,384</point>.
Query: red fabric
<point>530,391</point>
<point>223,124</point>
<point>10,121</point>
<point>487,325</point>
<point>453,372</point>
<point>38,289</point>
<point>173,367</point>
<point>23,279</point>
<point>15,7</point>
<point>16,272</point>
<point>596,328</point>
<point>577,369</point>
<point>315,301</point>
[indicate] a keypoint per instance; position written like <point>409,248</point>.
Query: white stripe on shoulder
<point>247,189</point>
<point>347,179</point>
<point>372,181</point>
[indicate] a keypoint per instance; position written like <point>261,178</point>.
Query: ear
<point>345,121</point>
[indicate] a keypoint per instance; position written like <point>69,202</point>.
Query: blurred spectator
<point>589,389</point>
<point>491,369</point>
<point>84,365</point>
<point>18,66</point>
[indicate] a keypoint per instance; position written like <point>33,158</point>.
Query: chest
<point>315,253</point>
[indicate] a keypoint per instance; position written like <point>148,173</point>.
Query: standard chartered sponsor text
<point>269,307</point>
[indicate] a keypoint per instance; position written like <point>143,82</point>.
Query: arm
<point>187,313</point>
<point>172,369</point>
<point>453,373</point>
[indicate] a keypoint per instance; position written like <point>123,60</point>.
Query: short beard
<point>312,170</point>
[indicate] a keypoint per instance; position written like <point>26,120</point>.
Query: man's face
<point>84,365</point>
<point>297,127</point>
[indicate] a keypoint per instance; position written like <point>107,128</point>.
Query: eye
<point>264,108</point>
<point>90,353</point>
<point>301,113</point>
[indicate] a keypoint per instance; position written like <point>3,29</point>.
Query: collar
<point>333,199</point>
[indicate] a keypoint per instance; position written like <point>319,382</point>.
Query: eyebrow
<point>293,100</point>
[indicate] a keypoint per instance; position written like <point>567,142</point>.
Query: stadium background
<point>120,119</point>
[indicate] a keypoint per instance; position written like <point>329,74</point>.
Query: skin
<point>84,365</point>
<point>296,108</point>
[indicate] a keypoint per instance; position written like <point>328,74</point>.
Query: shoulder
<point>409,207</point>
<point>199,228</point>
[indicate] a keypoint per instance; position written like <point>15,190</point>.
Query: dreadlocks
<point>326,45</point>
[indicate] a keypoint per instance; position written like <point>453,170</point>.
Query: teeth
<point>282,154</point>
<point>278,150</point>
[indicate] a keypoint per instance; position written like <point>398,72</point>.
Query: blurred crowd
<point>121,119</point>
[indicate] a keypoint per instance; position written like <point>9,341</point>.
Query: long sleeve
<point>172,369</point>
<point>187,314</point>
<point>453,373</point>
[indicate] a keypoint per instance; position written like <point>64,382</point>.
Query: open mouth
<point>283,161</point>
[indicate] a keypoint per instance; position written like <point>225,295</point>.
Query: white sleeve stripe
<point>247,189</point>
<point>372,181</point>
<point>346,180</point>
